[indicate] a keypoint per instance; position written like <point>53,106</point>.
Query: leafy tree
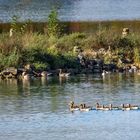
<point>18,27</point>
<point>14,23</point>
<point>53,27</point>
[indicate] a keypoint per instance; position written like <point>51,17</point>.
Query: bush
<point>12,59</point>
<point>57,52</point>
<point>39,66</point>
<point>67,42</point>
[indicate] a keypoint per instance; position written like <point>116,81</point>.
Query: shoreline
<point>72,46</point>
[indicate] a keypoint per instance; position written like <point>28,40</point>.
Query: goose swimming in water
<point>73,107</point>
<point>26,76</point>
<point>134,107</point>
<point>99,107</point>
<point>111,107</point>
<point>83,107</point>
<point>105,108</point>
<point>127,107</point>
<point>62,74</point>
<point>45,74</point>
<point>104,73</point>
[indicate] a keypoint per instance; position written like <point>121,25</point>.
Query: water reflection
<point>26,83</point>
<point>44,81</point>
<point>8,85</point>
<point>112,88</point>
<point>63,80</point>
<point>40,106</point>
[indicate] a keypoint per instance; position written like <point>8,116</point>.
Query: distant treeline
<point>85,26</point>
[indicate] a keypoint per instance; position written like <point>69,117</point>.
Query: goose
<point>134,107</point>
<point>83,107</point>
<point>127,108</point>
<point>104,72</point>
<point>45,74</point>
<point>99,107</point>
<point>111,107</point>
<point>26,76</point>
<point>105,108</point>
<point>73,107</point>
<point>61,74</point>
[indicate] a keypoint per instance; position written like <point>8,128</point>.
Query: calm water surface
<point>70,10</point>
<point>38,109</point>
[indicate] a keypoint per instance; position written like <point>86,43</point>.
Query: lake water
<point>38,109</point>
<point>70,10</point>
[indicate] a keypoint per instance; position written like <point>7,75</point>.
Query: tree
<point>53,27</point>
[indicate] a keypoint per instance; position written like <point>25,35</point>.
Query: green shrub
<point>67,42</point>
<point>34,40</point>
<point>12,59</point>
<point>39,66</point>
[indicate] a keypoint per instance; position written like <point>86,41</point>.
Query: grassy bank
<point>57,52</point>
<point>52,45</point>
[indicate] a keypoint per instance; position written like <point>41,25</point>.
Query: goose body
<point>113,107</point>
<point>134,107</point>
<point>105,108</point>
<point>26,76</point>
<point>45,74</point>
<point>127,108</point>
<point>73,107</point>
<point>62,74</point>
<point>99,107</point>
<point>83,107</point>
<point>104,72</point>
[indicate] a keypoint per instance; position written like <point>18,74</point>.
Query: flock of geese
<point>84,107</point>
<point>44,74</point>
